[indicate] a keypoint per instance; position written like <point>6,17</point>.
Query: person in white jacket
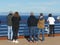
<point>51,22</point>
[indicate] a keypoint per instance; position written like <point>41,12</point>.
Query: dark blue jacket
<point>32,21</point>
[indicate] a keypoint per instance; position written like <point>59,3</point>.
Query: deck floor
<point>48,41</point>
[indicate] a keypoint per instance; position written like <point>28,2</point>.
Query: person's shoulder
<point>52,17</point>
<point>48,17</point>
<point>13,17</point>
<point>29,17</point>
<point>19,16</point>
<point>8,15</point>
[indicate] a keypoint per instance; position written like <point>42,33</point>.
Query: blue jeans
<point>39,31</point>
<point>10,33</point>
<point>32,33</point>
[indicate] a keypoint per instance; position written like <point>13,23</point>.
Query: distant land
<point>28,13</point>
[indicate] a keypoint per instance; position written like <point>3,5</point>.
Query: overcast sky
<point>45,6</point>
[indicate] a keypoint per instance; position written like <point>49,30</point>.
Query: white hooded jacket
<point>51,20</point>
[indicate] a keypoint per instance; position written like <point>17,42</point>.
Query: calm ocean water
<point>24,31</point>
<point>3,19</point>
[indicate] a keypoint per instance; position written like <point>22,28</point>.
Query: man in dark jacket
<point>32,23</point>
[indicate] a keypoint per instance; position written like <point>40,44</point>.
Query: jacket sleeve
<point>28,22</point>
<point>54,19</point>
<point>12,19</point>
<point>19,18</point>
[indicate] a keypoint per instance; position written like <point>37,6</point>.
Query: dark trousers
<point>15,33</point>
<point>51,30</point>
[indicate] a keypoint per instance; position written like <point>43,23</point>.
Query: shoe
<point>34,41</point>
<point>16,41</point>
<point>42,40</point>
<point>13,41</point>
<point>48,35</point>
<point>30,41</point>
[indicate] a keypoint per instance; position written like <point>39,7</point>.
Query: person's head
<point>41,16</point>
<point>31,14</point>
<point>16,14</point>
<point>50,15</point>
<point>10,13</point>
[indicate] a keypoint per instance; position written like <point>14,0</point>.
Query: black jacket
<point>15,21</point>
<point>32,21</point>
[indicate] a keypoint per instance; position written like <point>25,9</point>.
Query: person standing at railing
<point>58,18</point>
<point>15,26</point>
<point>9,17</point>
<point>51,22</point>
<point>32,23</point>
<point>41,26</point>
